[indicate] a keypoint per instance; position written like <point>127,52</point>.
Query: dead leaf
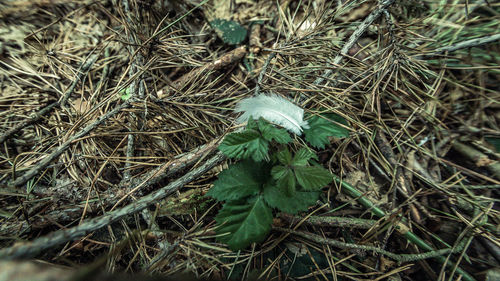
<point>81,106</point>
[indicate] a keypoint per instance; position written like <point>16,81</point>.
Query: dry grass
<point>415,115</point>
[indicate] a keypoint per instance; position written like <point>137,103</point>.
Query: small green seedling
<point>271,175</point>
<point>125,94</point>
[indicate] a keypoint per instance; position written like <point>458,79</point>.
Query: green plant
<point>125,94</point>
<point>271,175</point>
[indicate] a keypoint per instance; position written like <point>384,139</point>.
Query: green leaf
<point>270,132</point>
<point>285,179</point>
<point>299,201</point>
<point>303,156</point>
<point>245,222</point>
<point>292,170</point>
<point>239,181</point>
<point>284,156</point>
<point>229,31</point>
<point>254,141</point>
<point>312,178</point>
<point>322,127</point>
<point>244,145</point>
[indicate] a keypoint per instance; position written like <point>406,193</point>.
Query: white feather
<point>274,109</point>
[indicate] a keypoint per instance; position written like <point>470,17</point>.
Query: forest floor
<point>111,114</point>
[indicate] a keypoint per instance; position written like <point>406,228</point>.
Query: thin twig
<point>332,221</point>
<point>177,164</point>
<point>136,88</point>
<point>375,14</point>
<point>261,74</point>
<point>468,44</point>
<point>105,71</point>
<point>354,246</point>
<point>254,38</point>
<point>81,72</point>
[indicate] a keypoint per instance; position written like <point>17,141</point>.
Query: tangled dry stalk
<point>112,112</point>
